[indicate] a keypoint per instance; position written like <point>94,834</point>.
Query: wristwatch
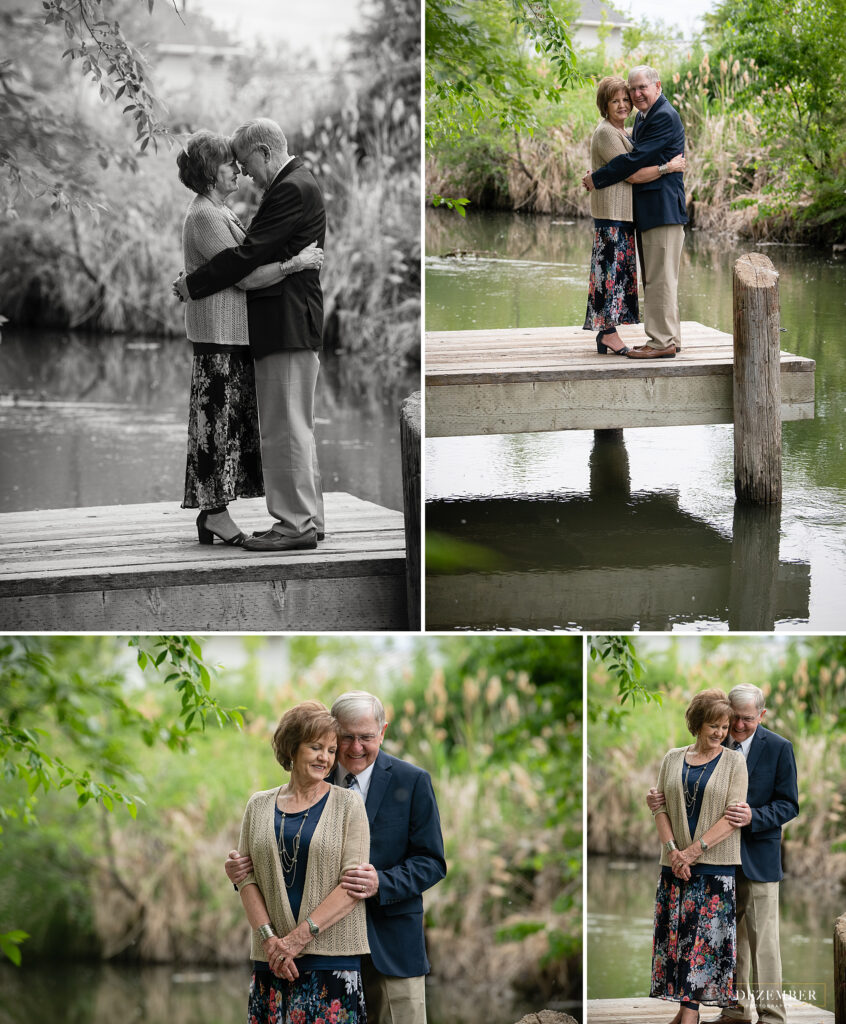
<point>312,927</point>
<point>703,844</point>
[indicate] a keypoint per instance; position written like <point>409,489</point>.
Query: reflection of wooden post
<point>840,970</point>
<point>757,381</point>
<point>410,449</point>
<point>754,567</point>
<point>609,466</point>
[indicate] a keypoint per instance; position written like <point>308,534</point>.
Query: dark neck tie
<point>736,745</point>
<point>349,779</point>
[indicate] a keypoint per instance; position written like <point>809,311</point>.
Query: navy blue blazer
<point>658,137</point>
<point>288,314</point>
<point>407,850</point>
<point>773,795</point>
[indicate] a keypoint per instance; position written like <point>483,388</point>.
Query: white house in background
<point>596,15</point>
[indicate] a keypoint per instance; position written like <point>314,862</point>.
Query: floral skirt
<point>694,950</point>
<point>612,292</point>
<point>224,450</point>
<point>331,997</point>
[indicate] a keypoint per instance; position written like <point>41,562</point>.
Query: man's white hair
<point>355,704</point>
<point>261,131</point>
<point>649,73</point>
<point>747,693</point>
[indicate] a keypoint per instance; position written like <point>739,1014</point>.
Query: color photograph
<point>716,829</point>
<point>634,239</point>
<point>389,808</point>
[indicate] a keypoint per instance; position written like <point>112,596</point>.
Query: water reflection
<point>104,993</point>
<point>612,559</point>
<point>102,420</point>
<point>534,275</point>
<point>619,939</point>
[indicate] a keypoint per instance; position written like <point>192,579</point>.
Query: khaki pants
<point>285,386</point>
<point>758,953</point>
<point>660,256</point>
<point>392,1000</point>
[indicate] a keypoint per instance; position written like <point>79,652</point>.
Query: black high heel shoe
<point>206,535</point>
<point>603,349</point>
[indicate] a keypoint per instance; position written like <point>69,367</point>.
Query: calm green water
<point>639,531</point>
<point>108,994</point>
<point>98,420</point>
<point>619,941</point>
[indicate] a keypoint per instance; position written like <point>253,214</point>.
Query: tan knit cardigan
<point>340,841</point>
<point>727,785</point>
<point>219,319</point>
<point>614,202</point>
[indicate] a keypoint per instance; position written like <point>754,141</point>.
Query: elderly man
<point>772,801</point>
<point>406,858</point>
<point>285,329</point>
<point>660,212</point>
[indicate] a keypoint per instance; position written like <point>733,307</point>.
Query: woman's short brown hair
<point>204,154</point>
<point>607,90</point>
<point>301,724</point>
<point>706,708</point>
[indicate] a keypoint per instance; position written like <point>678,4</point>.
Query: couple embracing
<point>255,317</point>
<point>637,196</point>
<point>719,807</point>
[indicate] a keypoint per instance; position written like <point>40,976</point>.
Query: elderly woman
<point>224,459</point>
<point>308,932</point>
<point>694,948</point>
<point>612,293</point>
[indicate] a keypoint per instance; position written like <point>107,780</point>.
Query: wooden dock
<point>552,378</point>
<point>659,1011</point>
<point>140,567</point>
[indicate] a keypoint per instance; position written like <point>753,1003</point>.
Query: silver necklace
<point>690,798</point>
<point>289,860</point>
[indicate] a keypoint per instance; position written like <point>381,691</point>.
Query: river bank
<point>543,176</point>
<point>743,179</point>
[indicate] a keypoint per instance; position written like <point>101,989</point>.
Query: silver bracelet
<point>663,169</point>
<point>266,931</point>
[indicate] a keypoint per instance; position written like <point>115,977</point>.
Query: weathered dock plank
<point>140,567</point>
<point>552,378</point>
<point>659,1011</point>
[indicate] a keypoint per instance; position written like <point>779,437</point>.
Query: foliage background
<point>496,721</point>
<point>757,93</point>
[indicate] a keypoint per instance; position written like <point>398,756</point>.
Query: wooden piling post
<point>840,970</point>
<point>757,381</point>
<point>410,449</point>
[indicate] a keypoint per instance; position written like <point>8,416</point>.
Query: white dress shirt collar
<point>362,779</point>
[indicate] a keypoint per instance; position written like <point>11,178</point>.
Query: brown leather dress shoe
<point>722,1019</point>
<point>272,541</point>
<point>651,353</point>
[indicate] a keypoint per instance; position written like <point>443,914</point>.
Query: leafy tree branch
<point>58,698</point>
<point>619,655</point>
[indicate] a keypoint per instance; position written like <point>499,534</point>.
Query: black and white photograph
<point>210,281</point>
